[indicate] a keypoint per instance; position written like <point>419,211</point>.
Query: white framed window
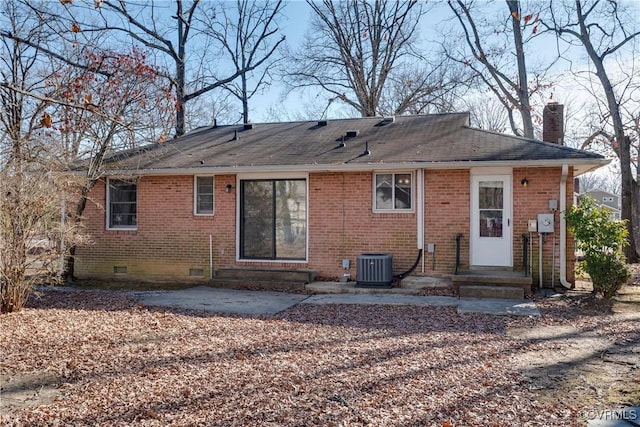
<point>393,192</point>
<point>203,195</point>
<point>122,204</point>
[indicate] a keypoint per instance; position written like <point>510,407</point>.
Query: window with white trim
<point>122,204</point>
<point>393,191</point>
<point>203,195</point>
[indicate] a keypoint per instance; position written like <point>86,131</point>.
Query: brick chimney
<point>553,123</point>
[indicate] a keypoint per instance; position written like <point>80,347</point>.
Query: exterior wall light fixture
<point>524,182</point>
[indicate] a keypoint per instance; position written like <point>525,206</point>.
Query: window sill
<point>274,261</point>
<point>129,229</point>
<point>394,211</point>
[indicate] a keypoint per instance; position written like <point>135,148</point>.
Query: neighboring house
<point>606,200</point>
<point>312,195</point>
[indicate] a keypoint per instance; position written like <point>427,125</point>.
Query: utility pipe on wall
<point>563,227</point>
<point>420,211</point>
<point>540,242</point>
<point>210,256</point>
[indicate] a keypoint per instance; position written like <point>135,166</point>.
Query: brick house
<point>316,195</point>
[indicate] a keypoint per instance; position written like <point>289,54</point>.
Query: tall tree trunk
<point>245,99</point>
<point>180,99</point>
<point>523,85</point>
<point>183,31</point>
<point>93,175</point>
<point>623,148</point>
<point>68,272</point>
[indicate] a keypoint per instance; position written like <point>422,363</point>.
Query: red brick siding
<point>528,202</point>
<point>342,225</point>
<point>170,239</point>
<point>447,212</point>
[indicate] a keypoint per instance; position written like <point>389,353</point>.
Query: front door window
<point>491,205</point>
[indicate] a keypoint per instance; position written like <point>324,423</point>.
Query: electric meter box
<point>545,223</point>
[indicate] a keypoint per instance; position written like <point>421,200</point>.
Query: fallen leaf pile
<point>123,364</point>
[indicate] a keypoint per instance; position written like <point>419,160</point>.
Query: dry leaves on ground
<point>122,364</point>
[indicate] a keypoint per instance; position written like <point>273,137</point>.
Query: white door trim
<point>491,251</point>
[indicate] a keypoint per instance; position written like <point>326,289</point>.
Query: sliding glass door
<point>273,219</point>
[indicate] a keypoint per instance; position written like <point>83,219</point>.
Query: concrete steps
<point>351,288</point>
<point>492,284</point>
<point>474,284</point>
<point>421,282</point>
<point>410,285</point>
<point>487,291</point>
<point>263,279</point>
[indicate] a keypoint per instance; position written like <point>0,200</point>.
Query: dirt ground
<point>593,357</point>
<point>582,355</point>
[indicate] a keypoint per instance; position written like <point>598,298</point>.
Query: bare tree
<point>435,88</point>
<point>92,102</point>
<point>599,181</point>
<point>115,102</point>
<point>168,30</point>
<point>607,33</point>
<point>214,107</point>
<point>249,34</point>
<point>30,193</point>
<point>364,54</point>
<point>180,41</point>
<point>488,114</point>
<point>489,58</point>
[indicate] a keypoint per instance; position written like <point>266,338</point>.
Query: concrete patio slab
<point>498,306</point>
<point>220,300</point>
<point>382,299</point>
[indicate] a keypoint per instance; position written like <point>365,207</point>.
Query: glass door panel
<point>291,224</point>
<point>257,218</point>
<point>491,205</point>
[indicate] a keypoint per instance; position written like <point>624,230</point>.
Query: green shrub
<point>601,239</point>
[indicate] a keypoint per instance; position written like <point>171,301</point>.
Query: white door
<point>491,222</point>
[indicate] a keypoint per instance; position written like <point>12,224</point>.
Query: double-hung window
<point>122,204</point>
<point>203,197</point>
<point>393,192</point>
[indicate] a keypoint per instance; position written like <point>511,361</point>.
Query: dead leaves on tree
<point>46,120</point>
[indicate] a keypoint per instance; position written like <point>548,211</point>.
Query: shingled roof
<point>429,141</point>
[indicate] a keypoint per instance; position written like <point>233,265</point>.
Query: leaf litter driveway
<point>113,360</point>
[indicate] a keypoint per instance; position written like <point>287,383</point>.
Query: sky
<point>294,26</point>
<point>297,16</point>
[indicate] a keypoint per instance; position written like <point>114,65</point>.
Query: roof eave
<point>581,166</point>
